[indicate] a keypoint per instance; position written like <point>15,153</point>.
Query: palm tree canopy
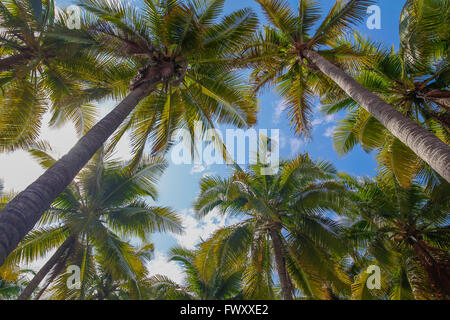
<point>220,284</point>
<point>42,63</point>
<point>391,223</point>
<point>275,54</point>
<point>294,203</point>
<point>187,43</point>
<point>104,208</point>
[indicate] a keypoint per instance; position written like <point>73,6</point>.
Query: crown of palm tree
<point>188,47</point>
<point>42,62</point>
<point>219,284</point>
<point>97,213</point>
<point>405,231</point>
<point>106,287</point>
<point>275,54</point>
<point>290,206</point>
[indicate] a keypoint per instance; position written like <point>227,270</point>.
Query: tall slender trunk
<point>426,145</point>
<point>49,281</point>
<point>285,282</point>
<point>21,214</point>
<point>9,63</point>
<point>37,279</point>
<point>57,270</point>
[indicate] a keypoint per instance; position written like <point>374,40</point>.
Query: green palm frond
<point>205,88</point>
<point>342,16</point>
<point>295,199</point>
<point>101,209</point>
<point>140,219</point>
<point>48,63</point>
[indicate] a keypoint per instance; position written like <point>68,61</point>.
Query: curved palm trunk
<point>285,282</point>
<point>49,281</point>
<point>37,279</point>
<point>21,214</point>
<point>426,145</point>
<point>9,63</point>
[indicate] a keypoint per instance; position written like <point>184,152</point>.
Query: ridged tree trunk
<point>285,282</point>
<point>425,144</point>
<point>21,214</point>
<point>42,273</point>
<point>49,281</point>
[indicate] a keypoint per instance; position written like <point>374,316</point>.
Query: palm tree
<point>12,278</point>
<point>41,62</point>
<point>389,79</point>
<point>416,85</point>
<point>20,17</point>
<point>89,222</point>
<point>283,217</point>
<point>106,284</point>
<point>219,284</point>
<point>424,33</point>
<point>405,231</point>
<point>288,52</point>
<point>179,44</point>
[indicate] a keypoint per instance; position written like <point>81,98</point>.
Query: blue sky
<point>179,185</point>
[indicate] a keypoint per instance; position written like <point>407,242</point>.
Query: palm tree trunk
<point>49,281</point>
<point>21,214</point>
<point>426,145</point>
<point>57,269</point>
<point>9,63</point>
<point>285,282</point>
<point>37,279</point>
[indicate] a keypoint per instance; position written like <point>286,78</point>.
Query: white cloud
<point>316,122</point>
<point>330,118</point>
<point>296,144</point>
<point>198,230</point>
<point>329,132</point>
<point>323,120</point>
<point>197,168</point>
<point>18,169</point>
<point>160,264</point>
<point>280,107</point>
